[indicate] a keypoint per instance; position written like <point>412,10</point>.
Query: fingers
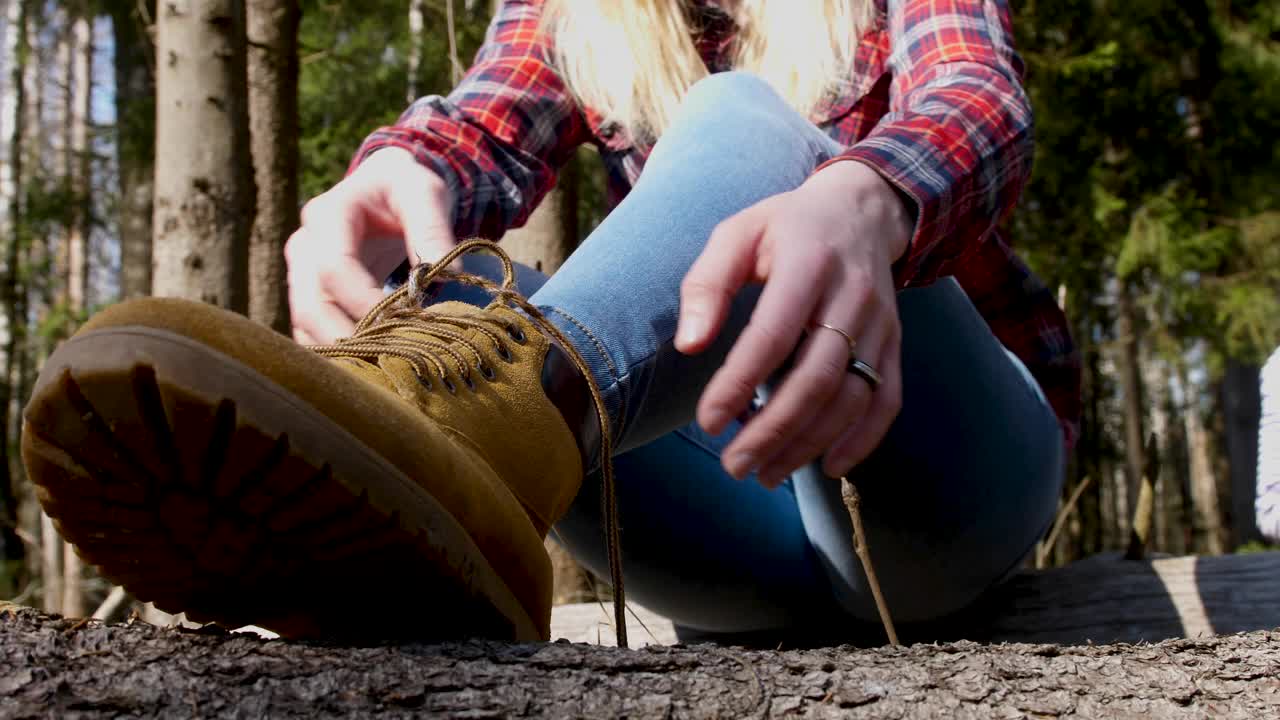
<point>815,401</point>
<point>419,203</point>
<point>849,403</point>
<point>788,299</point>
<point>866,433</point>
<point>355,234</point>
<point>726,264</point>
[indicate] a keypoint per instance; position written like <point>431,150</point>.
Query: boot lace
<point>434,342</point>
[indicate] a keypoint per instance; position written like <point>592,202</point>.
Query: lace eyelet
<point>424,381</point>
<point>487,372</point>
<point>466,380</point>
<point>448,385</point>
<point>516,334</point>
<point>504,353</point>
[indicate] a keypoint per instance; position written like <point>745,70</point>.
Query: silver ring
<point>865,371</point>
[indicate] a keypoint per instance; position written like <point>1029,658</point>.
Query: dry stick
<point>111,604</point>
<point>1046,547</point>
<point>853,503</point>
<point>1145,510</point>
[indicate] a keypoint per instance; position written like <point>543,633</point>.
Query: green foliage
<point>354,75</point>
<point>1256,546</point>
<point>1157,160</point>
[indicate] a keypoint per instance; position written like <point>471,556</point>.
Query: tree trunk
<point>204,197</point>
<point>80,161</point>
<point>1242,406</point>
<point>1129,364</point>
<point>36,299</point>
<point>417,25</point>
<point>51,565</point>
<point>136,141</point>
<point>12,115</point>
<point>1206,514</point>
<point>273,118</point>
<point>551,233</point>
<point>81,117</point>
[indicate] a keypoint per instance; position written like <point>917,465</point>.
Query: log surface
<point>1103,599</point>
<point>52,667</point>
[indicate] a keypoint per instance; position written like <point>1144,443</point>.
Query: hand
<point>353,236</point>
<point>824,253</point>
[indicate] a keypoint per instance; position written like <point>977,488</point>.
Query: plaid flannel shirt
<point>934,103</point>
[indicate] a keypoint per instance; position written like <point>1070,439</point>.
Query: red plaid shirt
<point>934,103</point>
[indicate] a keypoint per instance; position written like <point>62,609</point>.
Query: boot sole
<point>201,485</point>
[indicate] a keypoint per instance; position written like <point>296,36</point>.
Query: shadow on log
<point>1103,599</point>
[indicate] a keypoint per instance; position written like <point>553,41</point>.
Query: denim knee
<point>741,111</point>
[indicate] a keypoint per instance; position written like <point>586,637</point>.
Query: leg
<point>712,553</point>
<point>618,296</point>
<point>965,483</point>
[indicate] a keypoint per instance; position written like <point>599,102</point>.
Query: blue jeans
<point>957,494</point>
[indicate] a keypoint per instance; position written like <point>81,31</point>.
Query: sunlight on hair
<point>634,60</point>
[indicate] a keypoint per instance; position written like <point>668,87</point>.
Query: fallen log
<point>1103,599</point>
<point>54,667</point>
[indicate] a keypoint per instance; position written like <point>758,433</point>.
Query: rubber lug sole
<point>202,486</point>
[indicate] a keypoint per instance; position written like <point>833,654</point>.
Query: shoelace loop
<point>434,346</point>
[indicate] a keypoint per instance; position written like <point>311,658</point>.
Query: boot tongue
<point>375,374</point>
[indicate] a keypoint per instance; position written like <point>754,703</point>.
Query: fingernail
<point>741,464</point>
<point>836,466</point>
<point>692,327</point>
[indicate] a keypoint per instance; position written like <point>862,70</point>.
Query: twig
<point>1145,509</point>
<point>1046,547</point>
<point>853,503</point>
<point>108,608</point>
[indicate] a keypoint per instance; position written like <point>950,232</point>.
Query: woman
<point>790,187</point>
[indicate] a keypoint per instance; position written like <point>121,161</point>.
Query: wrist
<point>871,198</point>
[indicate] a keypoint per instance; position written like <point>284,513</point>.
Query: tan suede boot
<point>400,486</point>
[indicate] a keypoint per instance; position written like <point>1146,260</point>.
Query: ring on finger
<point>857,367</point>
<point>864,371</point>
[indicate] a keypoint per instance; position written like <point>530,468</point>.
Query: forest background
<point>1153,211</point>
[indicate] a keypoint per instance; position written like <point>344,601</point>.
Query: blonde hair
<point>634,60</point>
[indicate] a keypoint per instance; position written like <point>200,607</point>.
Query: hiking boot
<point>397,484</point>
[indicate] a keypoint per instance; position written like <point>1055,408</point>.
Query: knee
<point>738,107</point>
<point>729,89</point>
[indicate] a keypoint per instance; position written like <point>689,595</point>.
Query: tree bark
<point>12,116</point>
<point>273,118</point>
<point>36,299</point>
<point>136,140</point>
<point>1129,362</point>
<point>80,114</point>
<point>1206,512</point>
<point>551,233</point>
<point>417,25</point>
<point>204,197</point>
<point>1242,406</point>
<point>81,117</point>
<point>54,667</point>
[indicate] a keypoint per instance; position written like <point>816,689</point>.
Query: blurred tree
<point>135,89</point>
<point>273,123</point>
<point>204,190</point>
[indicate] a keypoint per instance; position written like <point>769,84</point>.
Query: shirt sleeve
<point>499,139</point>
<point>957,140</point>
